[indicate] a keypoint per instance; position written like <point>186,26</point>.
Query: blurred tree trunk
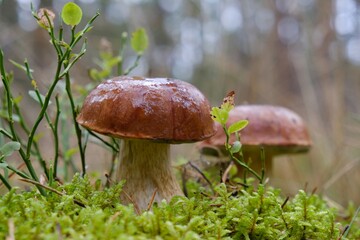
<point>284,76</point>
<point>330,75</point>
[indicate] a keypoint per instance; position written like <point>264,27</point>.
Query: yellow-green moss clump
<point>253,214</point>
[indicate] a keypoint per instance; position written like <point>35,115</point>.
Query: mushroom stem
<point>146,167</point>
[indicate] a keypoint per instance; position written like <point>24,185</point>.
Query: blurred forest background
<point>300,54</point>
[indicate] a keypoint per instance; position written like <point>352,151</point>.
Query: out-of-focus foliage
<point>139,41</point>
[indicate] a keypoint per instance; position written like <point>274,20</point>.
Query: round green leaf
<point>219,115</point>
<point>235,147</point>
<point>10,147</point>
<point>139,41</point>
<point>37,98</point>
<point>3,165</point>
<point>71,14</point>
<point>223,116</point>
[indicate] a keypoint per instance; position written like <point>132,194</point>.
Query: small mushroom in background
<point>277,130</point>
<point>149,114</point>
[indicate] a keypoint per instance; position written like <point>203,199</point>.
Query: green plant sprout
<point>109,61</point>
<point>63,105</point>
<point>352,223</point>
<point>221,115</point>
<point>66,59</point>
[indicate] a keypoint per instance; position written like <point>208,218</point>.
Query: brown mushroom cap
<point>275,128</point>
<point>165,110</point>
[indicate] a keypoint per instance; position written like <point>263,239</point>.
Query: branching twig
<point>136,207</point>
<point>202,174</point>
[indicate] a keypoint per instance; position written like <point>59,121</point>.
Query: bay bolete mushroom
<point>276,129</point>
<point>149,114</point>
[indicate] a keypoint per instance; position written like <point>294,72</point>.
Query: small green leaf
<point>16,118</point>
<point>3,165</point>
<point>235,148</point>
<point>139,41</point>
<point>38,136</point>
<point>3,131</point>
<point>224,116</point>
<point>237,126</point>
<point>227,106</point>
<point>18,99</point>
<point>64,44</point>
<point>219,115</point>
<point>94,75</point>
<point>70,152</point>
<point>233,170</point>
<point>215,113</point>
<point>81,33</point>
<point>88,29</point>
<point>105,56</point>
<point>18,65</point>
<point>71,14</point>
<point>112,62</point>
<point>4,114</point>
<point>9,148</point>
<point>34,96</point>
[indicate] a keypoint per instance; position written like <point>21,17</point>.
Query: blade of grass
<point>352,222</point>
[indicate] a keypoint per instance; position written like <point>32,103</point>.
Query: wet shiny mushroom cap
<point>160,109</point>
<point>273,127</point>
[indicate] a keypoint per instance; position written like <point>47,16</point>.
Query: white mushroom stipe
<point>146,167</point>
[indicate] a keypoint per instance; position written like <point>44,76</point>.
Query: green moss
<point>248,215</point>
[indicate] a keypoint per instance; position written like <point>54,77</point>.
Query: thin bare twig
<point>343,171</point>
<point>284,203</point>
<point>109,181</point>
<point>13,173</point>
<point>151,200</point>
<point>183,181</point>
<point>343,232</point>
<point>11,225</point>
<point>202,174</point>
<point>136,207</point>
<point>226,173</point>
<point>50,189</point>
<point>58,230</point>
